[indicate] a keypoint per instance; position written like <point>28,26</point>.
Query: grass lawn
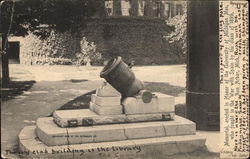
<point>164,88</point>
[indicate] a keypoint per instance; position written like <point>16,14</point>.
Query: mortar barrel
<point>121,77</point>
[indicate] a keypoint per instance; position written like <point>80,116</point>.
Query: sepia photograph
<point>124,79</point>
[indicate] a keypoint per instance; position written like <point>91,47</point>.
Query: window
<point>125,4</point>
<point>109,7</point>
<point>166,10</point>
<point>179,10</point>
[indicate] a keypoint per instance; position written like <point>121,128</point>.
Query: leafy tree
<point>178,38</point>
<point>42,16</point>
<point>88,52</point>
<point>18,17</point>
<point>57,48</point>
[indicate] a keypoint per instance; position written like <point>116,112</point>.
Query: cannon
<point>119,75</point>
<point>122,98</point>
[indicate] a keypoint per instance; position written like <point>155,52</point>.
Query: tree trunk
<point>5,62</point>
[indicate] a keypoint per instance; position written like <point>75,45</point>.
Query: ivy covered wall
<point>138,39</point>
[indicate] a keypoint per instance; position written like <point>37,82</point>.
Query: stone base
<point>50,134</point>
<point>105,110</point>
<point>159,147</point>
<point>106,101</point>
<point>86,117</point>
<point>106,90</point>
<point>63,117</point>
<point>160,103</point>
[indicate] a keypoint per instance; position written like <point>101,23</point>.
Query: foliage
<point>58,15</point>
<point>178,38</point>
<point>57,48</point>
<point>88,52</point>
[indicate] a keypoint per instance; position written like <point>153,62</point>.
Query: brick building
<point>143,8</point>
<point>132,29</point>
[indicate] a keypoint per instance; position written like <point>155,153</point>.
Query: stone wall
<point>139,39</point>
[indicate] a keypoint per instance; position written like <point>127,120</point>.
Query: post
<point>5,62</point>
<point>117,8</point>
<point>148,10</point>
<point>134,10</point>
<point>203,64</point>
<point>4,48</point>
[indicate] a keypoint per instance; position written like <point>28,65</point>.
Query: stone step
<point>159,103</point>
<point>50,134</point>
<point>160,147</point>
<point>86,117</point>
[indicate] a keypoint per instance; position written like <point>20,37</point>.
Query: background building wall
<point>138,39</point>
<point>133,29</point>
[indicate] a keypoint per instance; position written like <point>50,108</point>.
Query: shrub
<point>88,53</point>
<point>57,48</point>
<point>53,61</point>
<point>178,38</point>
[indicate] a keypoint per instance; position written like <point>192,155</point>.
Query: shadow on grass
<point>15,88</point>
<point>164,88</point>
<point>76,80</point>
<point>81,102</point>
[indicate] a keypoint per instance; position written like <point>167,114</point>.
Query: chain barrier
<point>203,93</point>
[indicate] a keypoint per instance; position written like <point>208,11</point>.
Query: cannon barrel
<point>118,74</point>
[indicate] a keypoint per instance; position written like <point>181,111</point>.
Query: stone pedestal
<point>104,131</point>
<point>86,117</point>
<point>52,135</point>
<point>47,140</point>
<point>106,101</point>
<point>106,90</point>
<point>159,103</point>
<point>106,110</point>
